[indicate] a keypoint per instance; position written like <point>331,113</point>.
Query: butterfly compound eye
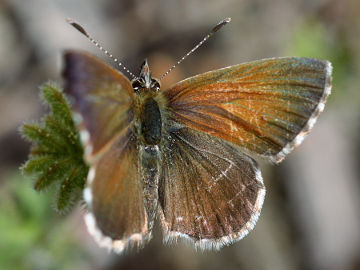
<point>155,84</point>
<point>136,84</point>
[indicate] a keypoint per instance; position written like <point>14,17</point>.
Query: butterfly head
<point>145,81</point>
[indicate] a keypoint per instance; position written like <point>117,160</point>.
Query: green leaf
<point>56,156</point>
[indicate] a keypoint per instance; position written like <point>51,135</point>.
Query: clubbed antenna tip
<point>213,31</point>
<point>220,25</point>
<point>77,27</point>
<point>97,44</point>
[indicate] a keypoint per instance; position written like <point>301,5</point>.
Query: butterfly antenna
<point>213,31</point>
<point>97,44</point>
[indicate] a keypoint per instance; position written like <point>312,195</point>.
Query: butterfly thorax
<point>149,117</point>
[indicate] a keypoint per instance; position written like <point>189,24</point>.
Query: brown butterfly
<point>183,153</point>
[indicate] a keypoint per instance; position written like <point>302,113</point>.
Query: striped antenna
<point>97,44</point>
<point>213,31</point>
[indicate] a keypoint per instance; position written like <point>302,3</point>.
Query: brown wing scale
<point>209,193</point>
<point>266,106</point>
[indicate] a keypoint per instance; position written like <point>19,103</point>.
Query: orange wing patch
<point>261,106</point>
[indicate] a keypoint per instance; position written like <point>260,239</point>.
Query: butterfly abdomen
<point>150,156</point>
<point>151,122</point>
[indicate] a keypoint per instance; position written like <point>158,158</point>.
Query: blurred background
<point>310,218</point>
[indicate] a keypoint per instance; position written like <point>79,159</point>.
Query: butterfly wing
<point>114,193</point>
<point>103,98</point>
<point>266,107</point>
<point>210,192</point>
<point>117,217</point>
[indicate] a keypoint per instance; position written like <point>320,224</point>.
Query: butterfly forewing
<point>266,106</point>
<point>209,192</point>
<point>103,97</point>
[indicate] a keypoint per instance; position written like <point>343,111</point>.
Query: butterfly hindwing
<point>210,192</point>
<point>117,217</point>
<point>266,107</point>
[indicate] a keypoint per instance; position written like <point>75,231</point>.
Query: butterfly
<point>185,154</point>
